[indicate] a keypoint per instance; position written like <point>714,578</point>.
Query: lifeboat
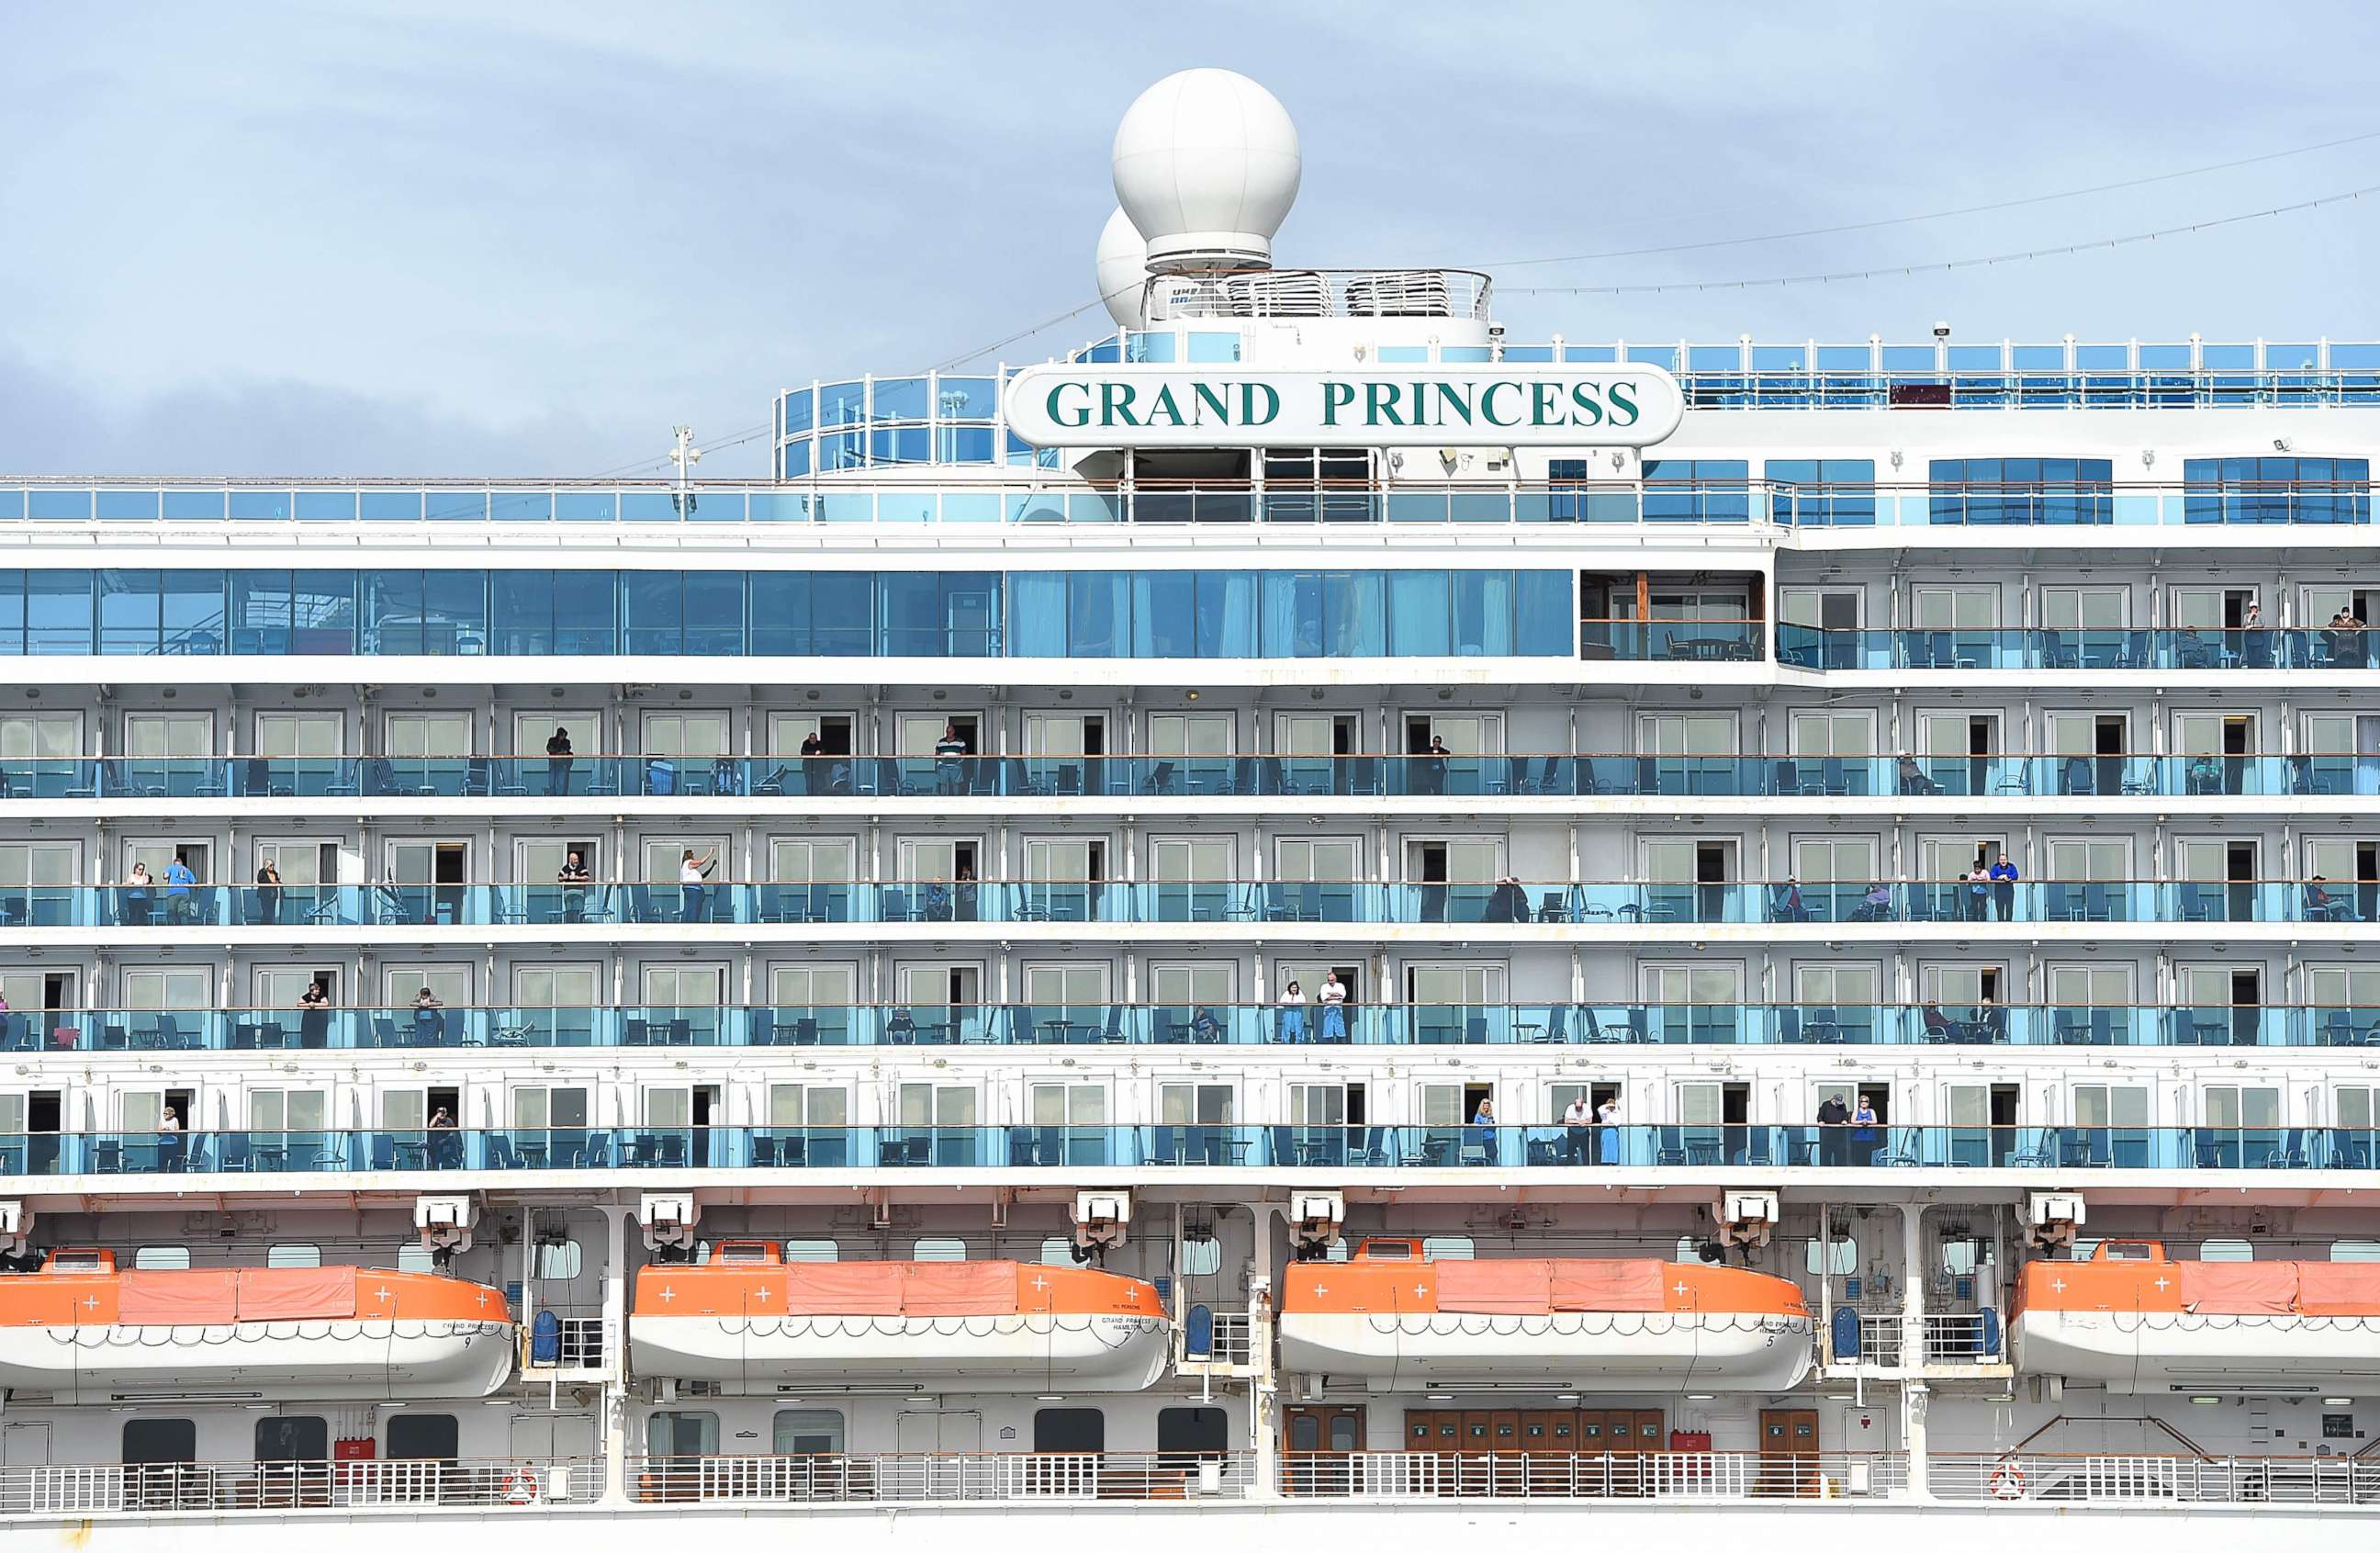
<point>1396,1319</point>
<point>746,1319</point>
<point>82,1331</point>
<point>2134,1320</point>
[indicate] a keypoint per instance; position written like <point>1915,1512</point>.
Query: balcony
<point>840,1478</point>
<point>631,1026</point>
<point>391,784</point>
<point>2059,1149</point>
<point>2091,650</point>
<point>280,1486</point>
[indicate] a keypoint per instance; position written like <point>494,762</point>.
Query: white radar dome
<point>1123,267</point>
<point>1205,165</point>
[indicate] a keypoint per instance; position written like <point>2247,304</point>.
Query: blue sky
<point>436,237</point>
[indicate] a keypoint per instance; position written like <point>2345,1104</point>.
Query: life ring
<point>2008,1483</point>
<point>520,1487</point>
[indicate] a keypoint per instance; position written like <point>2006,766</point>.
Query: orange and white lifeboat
<point>2133,1320</point>
<point>78,1330</point>
<point>747,1318</point>
<point>1395,1319</point>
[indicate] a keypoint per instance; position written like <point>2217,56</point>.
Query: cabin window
<point>2355,1251</point>
<point>424,1436</point>
<point>2226,1251</point>
<point>414,1256</point>
<point>1447,1248</point>
<point>162,1258</point>
<point>1838,1257</point>
<point>938,1248</point>
<point>806,1432</point>
<point>1201,1258</point>
<point>681,1434</point>
<point>293,1439</point>
<point>559,1260</point>
<point>1959,1258</point>
<point>813,1251</point>
<point>293,1256</point>
<point>1188,1434</point>
<point>1070,1429</point>
<point>1057,1251</point>
<point>148,1441</point>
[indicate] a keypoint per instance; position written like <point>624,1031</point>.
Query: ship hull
<point>1586,1350</point>
<point>316,1360</point>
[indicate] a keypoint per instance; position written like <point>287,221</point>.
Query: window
<point>414,1256</point>
<point>806,1432</point>
<point>1447,1248</point>
<point>813,1251</point>
<point>2226,1251</point>
<point>1833,1257</point>
<point>1070,1429</point>
<point>681,1434</point>
<point>294,1257</point>
<point>559,1260</point>
<point>418,735</point>
<point>2277,490</point>
<point>2021,491</point>
<point>293,1439</point>
<point>162,1258</point>
<point>287,1110</point>
<point>1837,493</point>
<point>1698,489</point>
<point>938,1248</point>
<point>158,1441</point>
<point>2355,1251</point>
<point>1188,1435</point>
<point>1201,1258</point>
<point>424,1436</point>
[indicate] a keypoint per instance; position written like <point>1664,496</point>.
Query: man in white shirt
<point>1578,1134</point>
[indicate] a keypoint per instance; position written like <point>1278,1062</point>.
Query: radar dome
<point>1123,266</point>
<point>1205,165</point>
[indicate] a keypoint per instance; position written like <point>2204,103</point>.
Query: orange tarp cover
<point>1631,1284</point>
<point>2238,1288</point>
<point>901,1289</point>
<point>960,1288</point>
<point>298,1294</point>
<point>1513,1286</point>
<point>2338,1289</point>
<point>202,1298</point>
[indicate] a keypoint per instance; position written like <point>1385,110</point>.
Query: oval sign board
<point>1491,405</point>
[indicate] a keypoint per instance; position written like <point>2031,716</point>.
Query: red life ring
<point>520,1487</point>
<point>2008,1483</point>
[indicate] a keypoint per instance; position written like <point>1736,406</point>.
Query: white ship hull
<point>990,1354</point>
<point>339,1361</point>
<point>1585,1352</point>
<point>2156,1352</point>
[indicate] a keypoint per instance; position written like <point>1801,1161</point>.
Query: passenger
<point>1876,907</point>
<point>950,760</point>
<point>1862,1132</point>
<point>429,1024</point>
<point>557,764</point>
<point>268,893</point>
<point>179,903</point>
<point>690,875</point>
<point>813,766</point>
<point>2004,877</point>
<point>169,1140</point>
<point>1508,902</point>
<point>1432,766</point>
<point>314,1015</point>
<point>445,1143</point>
<point>1978,903</point>
<point>1205,1029</point>
<point>1789,908</point>
<point>574,878</point>
<point>1914,782</point>
<point>1333,997</point>
<point>1578,1131</point>
<point>2256,642</point>
<point>962,897</point>
<point>138,895</point>
<point>1607,1130</point>
<point>2321,905</point>
<point>1939,1028</point>
<point>1834,1144</point>
<point>1483,1129</point>
<point>1292,1015</point>
<point>938,901</point>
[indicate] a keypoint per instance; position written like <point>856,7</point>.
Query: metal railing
<point>840,1478</point>
<point>144,1488</point>
<point>2148,1480</point>
<point>1686,1474</point>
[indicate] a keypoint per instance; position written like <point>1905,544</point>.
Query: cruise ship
<point>1308,918</point>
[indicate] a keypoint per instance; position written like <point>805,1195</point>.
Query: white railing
<point>1676,1474</point>
<point>1880,1340</point>
<point>94,1489</point>
<point>1951,1339</point>
<point>2036,1477</point>
<point>1233,1343</point>
<point>885,1479</point>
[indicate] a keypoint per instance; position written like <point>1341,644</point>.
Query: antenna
<point>686,455</point>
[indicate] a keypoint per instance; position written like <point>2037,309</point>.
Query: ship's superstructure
<point>1310,905</point>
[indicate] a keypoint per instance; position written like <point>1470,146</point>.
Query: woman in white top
<point>1333,997</point>
<point>1293,1013</point>
<point>690,875</point>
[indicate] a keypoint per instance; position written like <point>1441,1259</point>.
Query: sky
<point>436,237</point>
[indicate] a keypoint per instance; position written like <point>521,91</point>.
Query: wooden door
<point>1789,1452</point>
<point>1548,1442</point>
<point>1505,1470</point>
<point>1319,1445</point>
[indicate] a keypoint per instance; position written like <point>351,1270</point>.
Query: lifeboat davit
<point>746,1319</point>
<point>1395,1319</point>
<point>82,1331</point>
<point>2133,1320</point>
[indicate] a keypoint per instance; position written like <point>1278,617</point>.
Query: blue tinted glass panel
<point>586,507</point>
<point>648,506</point>
<point>1098,617</point>
<point>1293,615</point>
<point>714,614</point>
<point>128,612</point>
<point>841,617</point>
<point>59,505</point>
<point>185,506</point>
<point>260,507</point>
<point>521,613</point>
<point>1165,615</point>
<point>1418,614</point>
<point>842,404</point>
<point>1157,347</point>
<point>795,460</point>
<point>260,613</point>
<point>901,399</point>
<point>655,608</point>
<point>12,505</point>
<point>1482,614</point>
<point>126,504</point>
<point>1589,353</point>
<point>521,506</point>
<point>1227,614</point>
<point>58,615</point>
<point>1844,358</point>
<point>191,614</point>
<point>1037,614</point>
<point>390,506</point>
<point>1659,356</point>
<point>1546,614</point>
<point>1354,615</point>
<point>781,613</point>
<point>797,412</point>
<point>967,399</point>
<point>909,606</point>
<point>326,506</point>
<point>1208,346</point>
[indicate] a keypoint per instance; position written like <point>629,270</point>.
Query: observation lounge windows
<point>2277,490</point>
<point>2021,491</point>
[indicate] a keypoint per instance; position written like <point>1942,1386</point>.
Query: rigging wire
<point>1939,216</point>
<point>2050,251</point>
